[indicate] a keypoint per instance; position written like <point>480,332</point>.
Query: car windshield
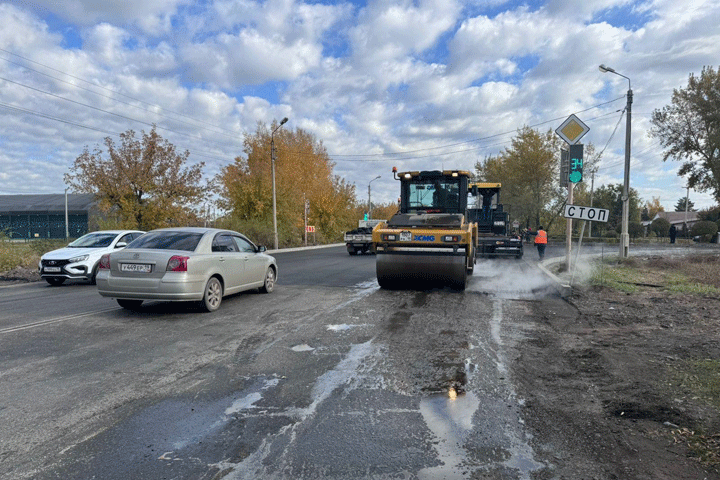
<point>439,194</point>
<point>94,240</point>
<point>168,241</point>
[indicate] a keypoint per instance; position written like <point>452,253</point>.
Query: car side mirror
<point>261,249</point>
<point>121,244</point>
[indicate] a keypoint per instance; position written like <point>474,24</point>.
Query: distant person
<point>673,233</point>
<point>541,241</point>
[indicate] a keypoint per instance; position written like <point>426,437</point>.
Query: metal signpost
<point>586,214</point>
<point>571,164</point>
<point>310,229</point>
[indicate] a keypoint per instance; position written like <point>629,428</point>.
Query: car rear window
<point>167,241</point>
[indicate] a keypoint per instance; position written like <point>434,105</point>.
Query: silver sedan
<point>185,264</point>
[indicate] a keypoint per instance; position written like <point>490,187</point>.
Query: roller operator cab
<point>429,240</point>
<point>494,236</point>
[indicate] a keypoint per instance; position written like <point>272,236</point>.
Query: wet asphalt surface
<point>327,377</point>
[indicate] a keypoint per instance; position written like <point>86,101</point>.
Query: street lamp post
<point>370,204</point>
<point>67,227</point>
<point>625,236</point>
<point>272,161</point>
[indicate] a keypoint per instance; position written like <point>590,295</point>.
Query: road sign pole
<point>568,230</point>
<point>577,255</point>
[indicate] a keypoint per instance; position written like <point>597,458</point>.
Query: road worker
<point>541,241</point>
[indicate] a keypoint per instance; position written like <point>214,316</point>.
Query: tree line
<point>145,183</point>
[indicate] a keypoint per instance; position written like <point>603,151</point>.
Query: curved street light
<point>624,236</point>
<point>272,161</point>
<point>370,204</point>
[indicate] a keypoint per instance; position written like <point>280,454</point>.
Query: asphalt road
<point>327,377</point>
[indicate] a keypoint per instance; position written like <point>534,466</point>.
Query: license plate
<point>405,236</point>
<point>52,269</point>
<point>135,267</point>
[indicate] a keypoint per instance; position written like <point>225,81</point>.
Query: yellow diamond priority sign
<point>572,130</point>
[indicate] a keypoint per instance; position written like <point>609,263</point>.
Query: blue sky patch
<point>624,16</point>
<point>270,91</point>
<point>71,35</point>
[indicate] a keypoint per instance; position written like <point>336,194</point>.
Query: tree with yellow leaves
<point>303,173</point>
<point>142,183</point>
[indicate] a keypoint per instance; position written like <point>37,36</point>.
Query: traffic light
<point>576,163</point>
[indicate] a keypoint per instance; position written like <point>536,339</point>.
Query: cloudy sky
<point>420,84</point>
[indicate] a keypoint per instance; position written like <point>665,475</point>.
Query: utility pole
<point>369,203</point>
<point>687,204</point>
<point>67,227</point>
<point>307,207</point>
<point>625,236</point>
<point>274,195</point>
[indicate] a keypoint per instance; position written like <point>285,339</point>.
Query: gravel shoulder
<point>625,383</point>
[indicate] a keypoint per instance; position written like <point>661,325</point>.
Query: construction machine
<point>359,240</point>
<point>494,236</point>
<point>430,239</point>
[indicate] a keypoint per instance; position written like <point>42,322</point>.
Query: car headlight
<point>79,258</point>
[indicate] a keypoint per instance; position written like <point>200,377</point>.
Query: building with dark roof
<point>43,216</point>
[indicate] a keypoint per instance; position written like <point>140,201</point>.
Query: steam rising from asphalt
<point>509,279</point>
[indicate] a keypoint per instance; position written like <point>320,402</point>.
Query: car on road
<point>80,259</point>
<point>186,264</point>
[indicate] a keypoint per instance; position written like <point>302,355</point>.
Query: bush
<point>635,229</point>
<point>610,234</point>
<point>705,230</point>
<point>25,254</point>
<point>660,227</point>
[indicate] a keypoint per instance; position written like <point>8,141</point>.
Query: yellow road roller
<point>429,241</point>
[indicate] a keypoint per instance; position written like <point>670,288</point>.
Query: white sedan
<point>80,259</point>
<point>185,264</point>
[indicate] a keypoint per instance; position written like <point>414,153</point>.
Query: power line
<point>400,156</point>
<point>79,125</point>
<point>393,154</point>
<point>50,117</point>
<point>110,113</point>
<point>107,89</point>
<point>473,140</point>
<point>117,100</point>
<point>611,135</point>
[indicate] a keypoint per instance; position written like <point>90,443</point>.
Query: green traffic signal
<point>576,163</point>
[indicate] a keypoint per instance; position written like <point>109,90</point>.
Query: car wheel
<point>269,284</point>
<point>55,282</point>
<point>93,277</point>
<point>213,295</point>
<point>129,304</point>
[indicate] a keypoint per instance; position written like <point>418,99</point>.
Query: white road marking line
<point>53,320</point>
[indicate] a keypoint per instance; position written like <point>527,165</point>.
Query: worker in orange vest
<point>541,241</point>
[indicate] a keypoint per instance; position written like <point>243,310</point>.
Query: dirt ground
<point>628,381</point>
<point>19,275</point>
